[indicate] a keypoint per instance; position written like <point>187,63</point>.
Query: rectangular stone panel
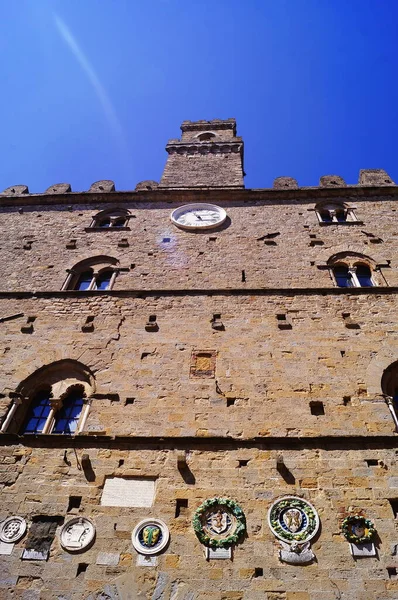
<point>146,561</point>
<point>218,553</point>
<point>119,491</point>
<point>6,549</point>
<point>108,558</point>
<point>203,364</point>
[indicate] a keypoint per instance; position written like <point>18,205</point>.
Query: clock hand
<point>198,216</point>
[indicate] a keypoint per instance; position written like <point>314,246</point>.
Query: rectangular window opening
<point>129,401</point>
<point>372,462</point>
<point>392,572</point>
<point>346,400</point>
<point>258,572</point>
<point>243,463</point>
<point>230,401</point>
<point>181,506</point>
<point>317,408</point>
<point>121,463</point>
<point>243,276</point>
<point>281,317</point>
<point>74,502</point>
<point>81,568</point>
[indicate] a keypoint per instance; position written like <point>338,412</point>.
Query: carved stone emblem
<point>77,534</point>
<point>12,529</point>
<point>294,522</point>
<point>150,536</point>
<point>219,522</point>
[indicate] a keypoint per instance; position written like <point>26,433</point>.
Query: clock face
<point>198,216</point>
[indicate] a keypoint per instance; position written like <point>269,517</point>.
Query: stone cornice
<point>210,443</point>
<point>203,148</point>
<point>142,293</point>
<point>222,195</point>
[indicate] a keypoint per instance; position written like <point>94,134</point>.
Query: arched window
<point>206,136</point>
<point>38,413</point>
<point>103,280</point>
<point>84,280</point>
<point>364,275</point>
<point>389,386</point>
<point>335,212</point>
<point>53,400</point>
<point>348,271</point>
<point>67,418</point>
<point>97,273</point>
<point>112,218</point>
<point>342,276</point>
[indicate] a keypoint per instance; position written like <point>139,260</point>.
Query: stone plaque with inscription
<point>219,553</point>
<point>5,548</point>
<point>120,491</point>
<point>29,554</point>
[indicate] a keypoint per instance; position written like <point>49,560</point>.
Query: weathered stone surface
<point>255,405</point>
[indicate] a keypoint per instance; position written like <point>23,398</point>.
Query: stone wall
<point>258,238</point>
<point>225,363</point>
<point>334,480</point>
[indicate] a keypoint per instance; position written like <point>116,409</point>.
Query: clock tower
<point>209,154</point>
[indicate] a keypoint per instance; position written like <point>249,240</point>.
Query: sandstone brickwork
<point>224,362</point>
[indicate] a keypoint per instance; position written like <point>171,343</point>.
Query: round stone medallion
<point>219,522</point>
<point>150,536</point>
<point>12,529</point>
<point>293,519</point>
<point>77,534</point>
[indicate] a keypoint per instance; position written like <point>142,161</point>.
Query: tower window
<point>205,137</point>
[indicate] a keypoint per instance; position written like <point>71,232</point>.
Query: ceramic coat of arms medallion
<point>294,522</point>
<point>360,532</point>
<point>77,534</point>
<point>12,529</point>
<point>150,536</point>
<point>219,522</point>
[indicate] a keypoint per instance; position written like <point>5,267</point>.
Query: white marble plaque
<point>119,491</point>
<point>29,554</point>
<point>146,561</point>
<point>107,558</point>
<point>363,550</point>
<point>6,548</point>
<point>218,553</point>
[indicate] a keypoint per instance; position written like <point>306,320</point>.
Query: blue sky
<point>93,89</point>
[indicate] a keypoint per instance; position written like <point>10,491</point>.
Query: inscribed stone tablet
<point>128,492</point>
<point>218,553</point>
<point>6,548</point>
<point>29,554</point>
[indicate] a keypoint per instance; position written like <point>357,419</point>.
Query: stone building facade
<point>148,368</point>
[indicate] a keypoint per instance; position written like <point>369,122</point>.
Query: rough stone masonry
<point>249,361</point>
